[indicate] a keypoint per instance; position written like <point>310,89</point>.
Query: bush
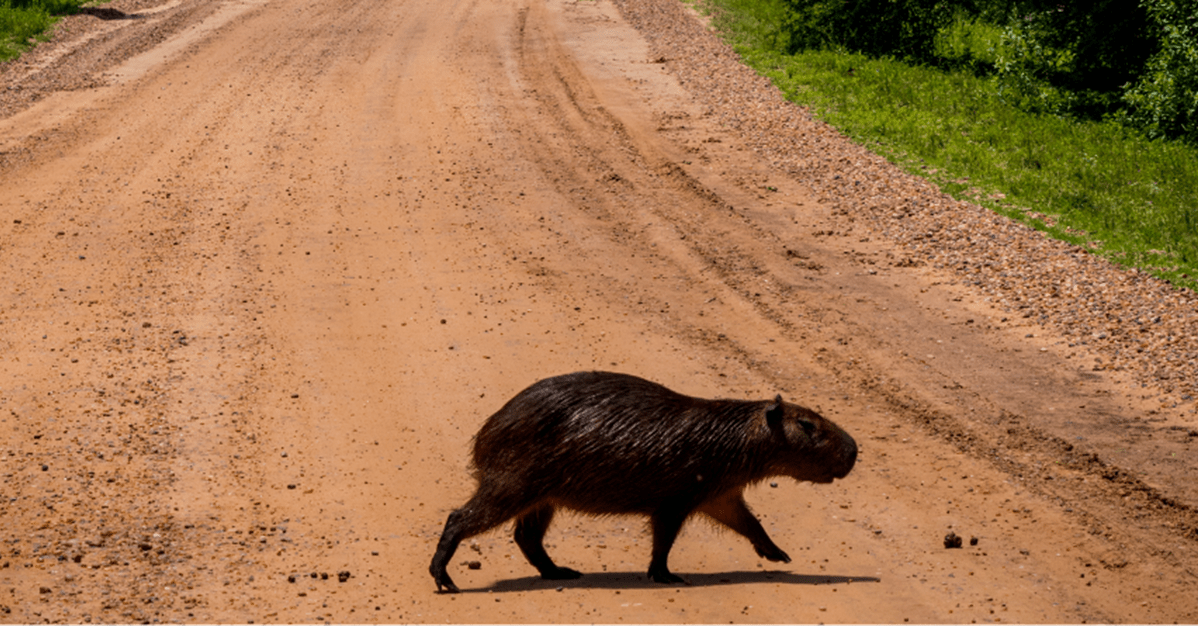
<point>1129,61</point>
<point>1074,58</point>
<point>905,29</point>
<point>969,43</point>
<point>1164,102</point>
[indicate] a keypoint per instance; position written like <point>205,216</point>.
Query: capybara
<point>603,444</point>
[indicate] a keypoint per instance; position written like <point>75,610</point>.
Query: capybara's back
<point>607,443</point>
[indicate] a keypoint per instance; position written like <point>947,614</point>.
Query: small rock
<point>952,540</point>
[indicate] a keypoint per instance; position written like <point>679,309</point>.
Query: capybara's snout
<point>837,456</point>
<point>848,456</point>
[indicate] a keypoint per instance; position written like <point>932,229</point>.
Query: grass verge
<point>1100,185</point>
<point>25,22</point>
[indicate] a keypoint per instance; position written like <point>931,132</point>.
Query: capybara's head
<point>812,448</point>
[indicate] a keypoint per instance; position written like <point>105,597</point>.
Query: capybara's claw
<point>445,583</point>
<point>774,554</point>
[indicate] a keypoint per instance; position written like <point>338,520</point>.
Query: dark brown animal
<point>604,443</point>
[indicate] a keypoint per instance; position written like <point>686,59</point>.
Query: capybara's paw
<point>773,553</point>
<point>444,582</point>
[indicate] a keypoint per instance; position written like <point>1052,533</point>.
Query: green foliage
<point>25,21</point>
<point>1132,61</point>
<point>1165,99</point>
<point>1074,58</point>
<point>969,43</point>
<point>903,28</point>
<point>1026,68</point>
<point>1094,183</point>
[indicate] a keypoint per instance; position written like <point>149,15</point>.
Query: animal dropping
<point>607,444</point>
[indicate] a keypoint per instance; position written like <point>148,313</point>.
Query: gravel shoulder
<point>272,263</point>
<point>85,46</point>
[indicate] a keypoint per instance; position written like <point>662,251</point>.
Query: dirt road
<point>266,276</point>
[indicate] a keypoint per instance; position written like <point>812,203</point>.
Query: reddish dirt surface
<point>269,269</point>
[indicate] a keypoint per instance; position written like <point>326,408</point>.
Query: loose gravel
<point>1136,322</point>
<point>85,45</point>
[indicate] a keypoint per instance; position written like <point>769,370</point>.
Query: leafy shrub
<point>1128,61</point>
<point>1074,58</point>
<point>970,43</point>
<point>1027,69</point>
<point>901,28</point>
<point>1164,102</point>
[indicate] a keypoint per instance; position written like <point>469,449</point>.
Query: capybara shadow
<point>612,444</point>
<point>629,580</point>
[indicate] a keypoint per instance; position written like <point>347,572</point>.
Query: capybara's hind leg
<point>483,512</point>
<point>450,538</point>
<point>530,534</point>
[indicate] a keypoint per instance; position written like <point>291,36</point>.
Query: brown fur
<point>604,443</point>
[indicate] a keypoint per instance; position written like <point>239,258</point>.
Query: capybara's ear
<point>774,413</point>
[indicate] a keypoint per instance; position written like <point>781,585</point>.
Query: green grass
<point>24,22</point>
<point>1094,184</point>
